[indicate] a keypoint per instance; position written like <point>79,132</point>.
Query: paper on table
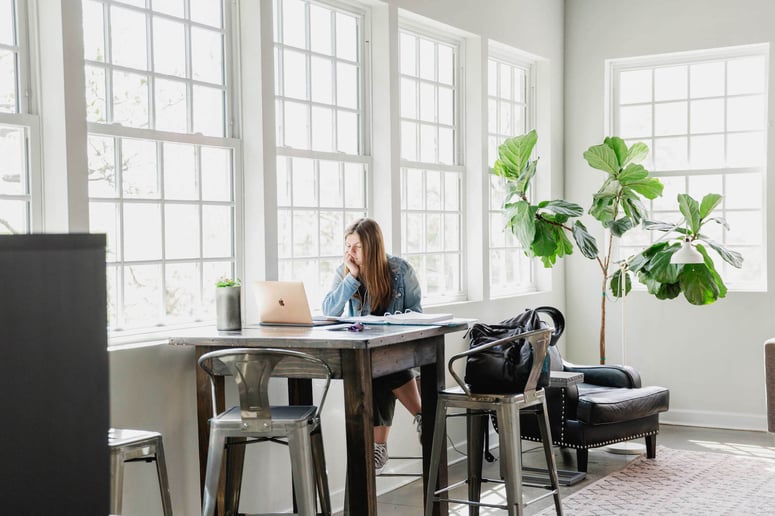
<point>401,318</point>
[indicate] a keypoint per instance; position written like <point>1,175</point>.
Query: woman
<point>370,281</point>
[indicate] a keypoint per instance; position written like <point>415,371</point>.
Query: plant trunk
<point>602,323</point>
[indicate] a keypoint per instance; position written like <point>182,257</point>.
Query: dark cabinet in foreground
<point>54,381</point>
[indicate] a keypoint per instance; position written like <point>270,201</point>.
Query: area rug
<point>681,482</point>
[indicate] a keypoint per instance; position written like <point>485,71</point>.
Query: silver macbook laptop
<point>285,303</point>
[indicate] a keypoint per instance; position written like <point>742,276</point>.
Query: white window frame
<point>614,68</point>
<point>293,265</point>
<point>26,120</point>
<point>439,36</point>
<point>204,305</point>
<point>516,60</point>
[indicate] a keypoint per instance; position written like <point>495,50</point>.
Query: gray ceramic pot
<point>227,308</point>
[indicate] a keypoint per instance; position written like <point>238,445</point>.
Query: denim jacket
<point>406,292</point>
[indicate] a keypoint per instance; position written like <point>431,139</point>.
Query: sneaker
<point>418,422</point>
<point>380,457</point>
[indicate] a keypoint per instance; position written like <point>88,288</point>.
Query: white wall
<point>710,357</point>
<point>153,387</point>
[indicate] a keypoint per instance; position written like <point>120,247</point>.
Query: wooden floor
<point>407,500</point>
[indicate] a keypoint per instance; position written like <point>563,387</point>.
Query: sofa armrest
<point>607,375</point>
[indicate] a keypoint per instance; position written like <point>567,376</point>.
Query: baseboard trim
<point>725,420</point>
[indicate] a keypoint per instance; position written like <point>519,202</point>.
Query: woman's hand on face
<point>351,266</point>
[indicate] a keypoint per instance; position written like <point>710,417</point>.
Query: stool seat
<point>128,445</point>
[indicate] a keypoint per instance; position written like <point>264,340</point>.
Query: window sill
<point>136,339</point>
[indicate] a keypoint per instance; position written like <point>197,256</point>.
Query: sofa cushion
<point>603,405</point>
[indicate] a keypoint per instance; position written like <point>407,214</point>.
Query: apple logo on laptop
<point>281,302</point>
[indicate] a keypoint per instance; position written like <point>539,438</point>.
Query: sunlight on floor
<point>750,450</point>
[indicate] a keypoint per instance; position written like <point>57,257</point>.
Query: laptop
<point>284,303</point>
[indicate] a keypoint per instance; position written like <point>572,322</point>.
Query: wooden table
<point>356,358</point>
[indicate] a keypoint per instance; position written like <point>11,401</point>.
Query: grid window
<point>321,165</point>
<point>431,174</point>
<point>161,167</point>
<point>16,125</point>
<point>704,119</point>
<point>508,115</point>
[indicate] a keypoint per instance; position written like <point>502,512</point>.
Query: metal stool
<point>507,408</point>
<point>255,419</point>
<point>132,446</point>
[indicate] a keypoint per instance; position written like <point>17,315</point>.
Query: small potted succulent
<point>227,304</point>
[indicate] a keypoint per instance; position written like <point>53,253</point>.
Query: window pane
<point>707,116</point>
<point>171,112</point>
<point>102,166</point>
<point>217,228</point>
<point>346,37</point>
<point>93,31</point>
<point>635,87</point>
<point>707,80</point>
<point>294,75</point>
<point>181,231</point>
<point>103,218</point>
<point>670,83</point>
<point>670,118</point>
<point>746,75</point>
<point>14,217</point>
<point>322,86</point>
<point>142,231</point>
<point>139,173</point>
<point>96,96</point>
<point>142,295</point>
<point>169,47</point>
<point>320,29</point>
<point>216,174</point>
<point>13,165</point>
<point>181,292</point>
<point>8,80</point>
<point>207,12</point>
<point>745,113</point>
<point>180,177</point>
<point>208,111</point>
<point>128,38</point>
<point>130,99</point>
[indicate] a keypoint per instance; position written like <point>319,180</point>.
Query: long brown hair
<point>375,271</point>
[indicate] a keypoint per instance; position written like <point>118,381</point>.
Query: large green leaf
<point>526,176</point>
<point>690,209</point>
<point>633,172</point>
<point>620,288</point>
<point>636,154</point>
<point>602,157</point>
<point>650,187</point>
<point>733,258</point>
<point>603,208</point>
<point>586,242</point>
<point>522,223</point>
<point>515,152</point>
<point>722,289</point>
<point>619,148</point>
<point>697,284</point>
<point>659,266</point>
<point>708,204</point>
<point>620,226</point>
<point>562,207</point>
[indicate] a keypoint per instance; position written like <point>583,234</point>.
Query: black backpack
<point>505,369</point>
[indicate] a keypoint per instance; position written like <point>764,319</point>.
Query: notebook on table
<point>284,303</point>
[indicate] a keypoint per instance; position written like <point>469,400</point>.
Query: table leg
<point>433,380</point>
<point>361,486</point>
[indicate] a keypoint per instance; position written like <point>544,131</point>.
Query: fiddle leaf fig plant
<point>544,228</point>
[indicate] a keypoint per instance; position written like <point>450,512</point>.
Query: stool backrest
<point>538,339</point>
<point>252,368</point>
